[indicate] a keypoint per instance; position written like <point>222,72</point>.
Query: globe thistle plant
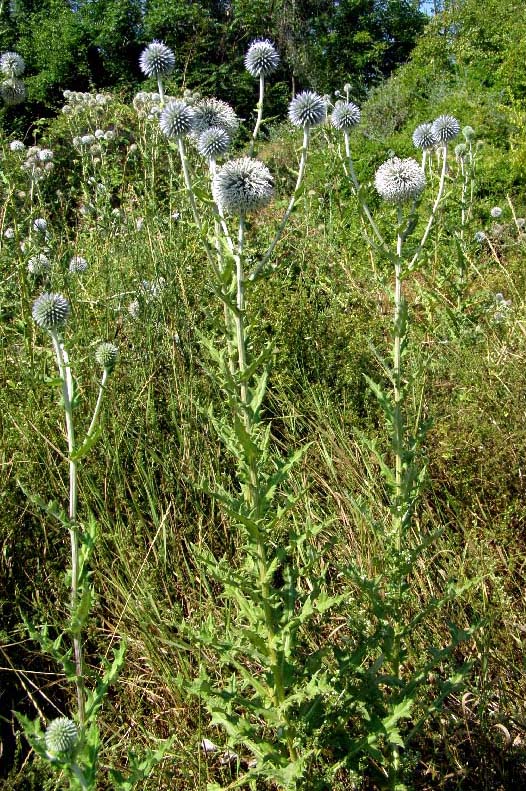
<point>243,185</point>
<point>262,58</point>
<point>445,128</point>
<point>12,64</point>
<point>12,91</point>
<point>61,737</point>
<point>307,109</point>
<point>50,311</point>
<point>158,61</point>
<point>213,142</point>
<point>400,180</point>
<point>345,116</point>
<point>176,119</point>
<point>469,133</point>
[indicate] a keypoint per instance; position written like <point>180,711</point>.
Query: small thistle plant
<point>158,61</point>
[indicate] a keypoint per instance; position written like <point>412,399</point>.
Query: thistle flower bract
<point>61,736</point>
<point>424,137</point>
<point>50,311</point>
<point>307,109</point>
<point>38,265</point>
<point>213,142</point>
<point>399,180</point>
<point>345,115</point>
<point>106,355</point>
<point>12,64</point>
<point>176,119</point>
<point>445,128</point>
<point>13,91</point>
<point>214,112</point>
<point>243,185</point>
<point>77,264</point>
<point>261,58</point>
<point>157,60</point>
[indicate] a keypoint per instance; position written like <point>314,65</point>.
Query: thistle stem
<point>98,405</point>
<point>161,90</point>
<point>356,185</point>
<point>260,114</point>
<point>433,210</point>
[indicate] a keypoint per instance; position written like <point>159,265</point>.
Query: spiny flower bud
<point>425,138</point>
<point>176,119</point>
<point>50,311</point>
<point>61,736</point>
<point>243,185</point>
<point>345,115</point>
<point>399,180</point>
<point>469,133</point>
<point>213,142</point>
<point>13,91</point>
<point>307,109</point>
<point>261,58</point>
<point>445,128</point>
<point>106,356</point>
<point>157,60</point>
<point>461,150</point>
<point>12,64</point>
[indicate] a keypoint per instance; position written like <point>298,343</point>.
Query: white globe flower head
<point>12,64</point>
<point>50,311</point>
<point>213,142</point>
<point>16,145</point>
<point>77,264</point>
<point>345,115</point>
<point>99,134</point>
<point>61,737</point>
<point>480,237</point>
<point>445,128</point>
<point>214,112</point>
<point>9,233</point>
<point>496,212</point>
<point>38,265</point>
<point>400,180</point>
<point>176,119</point>
<point>425,138</point>
<point>307,109</point>
<point>243,185</point>
<point>12,91</point>
<point>262,58</point>
<point>40,225</point>
<point>157,60</point>
<point>45,155</point>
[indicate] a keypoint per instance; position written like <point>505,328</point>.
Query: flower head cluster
<point>399,180</point>
<point>106,356</point>
<point>157,60</point>
<point>345,115</point>
<point>213,142</point>
<point>61,736</point>
<point>50,311</point>
<point>38,162</point>
<point>12,91</point>
<point>445,128</point>
<point>12,64</point>
<point>214,112</point>
<point>261,58</point>
<point>243,185</point>
<point>176,119</point>
<point>307,109</point>
<point>148,104</point>
<point>85,104</point>
<point>424,137</point>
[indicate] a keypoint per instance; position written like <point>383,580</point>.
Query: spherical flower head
<point>9,233</point>
<point>16,145</point>
<point>261,58</point>
<point>424,137</point>
<point>307,109</point>
<point>13,91</point>
<point>243,185</point>
<point>61,736</point>
<point>345,115</point>
<point>399,180</point>
<point>12,64</point>
<point>213,142</point>
<point>445,128</point>
<point>109,135</point>
<point>106,356</point>
<point>50,311</point>
<point>480,237</point>
<point>77,264</point>
<point>214,112</point>
<point>40,225</point>
<point>176,119</point>
<point>469,133</point>
<point>461,151</point>
<point>38,265</point>
<point>45,155</point>
<point>496,212</point>
<point>157,60</point>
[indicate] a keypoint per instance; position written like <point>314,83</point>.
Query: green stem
<point>433,210</point>
<point>98,405</point>
<point>260,114</point>
<point>67,397</point>
<point>356,186</point>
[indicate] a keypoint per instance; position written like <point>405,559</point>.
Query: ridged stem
<point>259,116</point>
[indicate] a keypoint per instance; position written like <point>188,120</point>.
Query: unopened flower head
<point>12,64</point>
<point>445,128</point>
<point>214,112</point>
<point>261,58</point>
<point>469,133</point>
<point>176,119</point>
<point>243,185</point>
<point>461,150</point>
<point>106,356</point>
<point>496,212</point>
<point>307,109</point>
<point>213,142</point>
<point>345,115</point>
<point>400,180</point>
<point>50,311</point>
<point>38,265</point>
<point>77,264</point>
<point>157,60</point>
<point>16,145</point>
<point>13,91</point>
<point>424,137</point>
<point>61,736</point>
